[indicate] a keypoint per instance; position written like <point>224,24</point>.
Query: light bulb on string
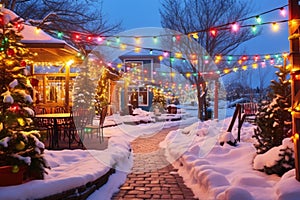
<point>282,12</point>
<point>166,54</point>
<point>137,40</point>
<point>213,32</point>
<point>155,39</point>
<point>229,59</point>
<point>254,29</point>
<point>99,39</point>
<point>60,34</point>
<point>235,27</point>
<point>118,40</point>
<point>258,19</point>
<point>275,26</point>
<point>256,58</point>
<point>150,51</point>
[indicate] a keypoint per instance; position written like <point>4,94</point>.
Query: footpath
<point>153,177</point>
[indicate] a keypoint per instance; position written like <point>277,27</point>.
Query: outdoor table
<point>55,117</point>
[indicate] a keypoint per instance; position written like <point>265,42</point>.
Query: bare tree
<point>66,16</point>
<point>188,16</point>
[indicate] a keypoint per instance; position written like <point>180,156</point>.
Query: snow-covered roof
<point>48,48</point>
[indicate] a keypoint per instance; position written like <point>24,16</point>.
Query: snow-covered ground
<point>211,170</point>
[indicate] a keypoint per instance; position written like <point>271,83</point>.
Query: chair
<point>45,126</point>
<point>90,128</point>
<point>74,127</point>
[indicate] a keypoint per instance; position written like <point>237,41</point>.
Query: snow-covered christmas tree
<point>159,100</point>
<point>19,141</point>
<point>84,89</point>
<point>274,124</point>
<point>274,121</point>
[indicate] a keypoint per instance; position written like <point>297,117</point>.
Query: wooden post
<point>216,100</point>
<point>294,57</point>
<point>67,88</point>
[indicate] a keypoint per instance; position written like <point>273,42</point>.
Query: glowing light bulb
<point>258,19</point>
<point>165,54</point>
<point>137,40</point>
<point>60,34</point>
<point>155,39</point>
<point>275,26</point>
<point>213,32</point>
<point>235,27</point>
<point>253,29</point>
<point>282,12</point>
<point>37,30</point>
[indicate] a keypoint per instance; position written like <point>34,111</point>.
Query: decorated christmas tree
<point>159,100</point>
<point>102,98</point>
<point>274,121</point>
<point>19,141</point>
<point>84,89</point>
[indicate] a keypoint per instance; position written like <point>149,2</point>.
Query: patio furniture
<point>52,122</point>
<point>90,128</point>
<point>74,127</point>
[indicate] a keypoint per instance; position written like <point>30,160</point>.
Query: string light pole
<point>294,36</point>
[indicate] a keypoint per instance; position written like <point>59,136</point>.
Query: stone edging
<point>82,192</point>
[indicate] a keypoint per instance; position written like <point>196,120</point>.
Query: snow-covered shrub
<point>277,160</point>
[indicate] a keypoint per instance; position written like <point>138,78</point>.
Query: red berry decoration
<point>10,52</point>
<point>23,63</point>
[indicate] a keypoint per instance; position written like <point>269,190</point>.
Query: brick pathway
<point>152,176</point>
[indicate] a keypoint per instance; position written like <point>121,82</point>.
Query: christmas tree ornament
<point>20,146</point>
<point>7,98</point>
<point>14,83</point>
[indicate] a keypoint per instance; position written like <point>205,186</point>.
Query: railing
<point>242,111</point>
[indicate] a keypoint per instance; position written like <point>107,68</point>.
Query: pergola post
<point>294,58</point>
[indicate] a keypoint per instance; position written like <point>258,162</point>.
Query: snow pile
<point>288,187</point>
<point>74,168</point>
<point>218,172</point>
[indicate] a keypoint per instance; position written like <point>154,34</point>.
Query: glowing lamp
<point>165,54</point>
<point>60,34</point>
<point>150,51</point>
<point>235,69</point>
<point>244,67</point>
<point>295,137</point>
<point>226,71</point>
<point>258,19</point>
<point>256,58</point>
<point>275,26</point>
<point>253,29</point>
<point>37,30</point>
<point>282,12</point>
<point>160,58</point>
<point>244,58</point>
<point>155,39</point>
<point>137,40</point>
<point>195,35</point>
<point>213,32</point>
<point>177,37</point>
<point>254,65</point>
<point>235,27</point>
<point>99,39</point>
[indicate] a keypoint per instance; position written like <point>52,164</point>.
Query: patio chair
<point>90,128</point>
<point>74,127</point>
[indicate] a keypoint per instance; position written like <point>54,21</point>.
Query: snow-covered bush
<point>277,160</point>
